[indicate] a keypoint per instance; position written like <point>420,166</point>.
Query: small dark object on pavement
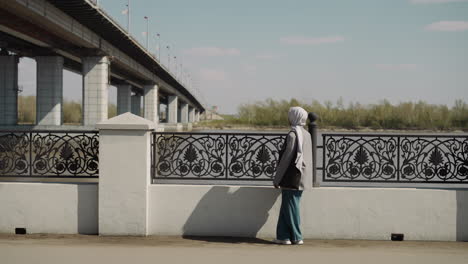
<point>20,231</point>
<point>397,237</point>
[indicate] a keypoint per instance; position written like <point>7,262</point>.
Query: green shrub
<point>384,115</point>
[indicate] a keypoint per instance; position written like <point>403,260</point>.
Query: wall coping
<point>126,121</point>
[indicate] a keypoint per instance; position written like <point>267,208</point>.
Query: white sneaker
<point>282,242</point>
<point>298,242</point>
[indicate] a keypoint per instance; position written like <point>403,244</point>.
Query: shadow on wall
<point>88,209</point>
<point>462,215</point>
<point>241,213</point>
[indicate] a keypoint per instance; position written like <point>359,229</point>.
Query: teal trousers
<point>289,221</point>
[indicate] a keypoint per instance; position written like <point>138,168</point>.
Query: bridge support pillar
<point>151,104</point>
<point>49,96</point>
<point>172,109</point>
<point>191,115</point>
<point>184,113</point>
<point>124,98</point>
<point>95,89</point>
<point>136,104</point>
<point>8,90</point>
<point>197,116</point>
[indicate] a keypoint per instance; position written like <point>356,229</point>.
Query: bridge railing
<point>49,154</point>
<point>252,157</point>
<point>344,158</point>
<point>395,158</point>
<point>216,156</point>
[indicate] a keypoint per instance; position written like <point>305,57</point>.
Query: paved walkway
<point>72,249</point>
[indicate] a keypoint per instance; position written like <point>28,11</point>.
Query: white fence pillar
<point>124,175</point>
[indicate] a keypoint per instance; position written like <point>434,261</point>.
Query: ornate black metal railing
<point>222,156</point>
<point>395,158</point>
<point>50,154</point>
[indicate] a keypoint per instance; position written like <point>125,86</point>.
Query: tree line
<point>273,113</point>
<point>383,115</point>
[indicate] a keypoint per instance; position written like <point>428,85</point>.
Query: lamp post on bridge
<point>168,58</point>
<point>175,62</point>
<point>147,32</point>
<point>128,16</point>
<point>158,36</point>
<point>126,12</point>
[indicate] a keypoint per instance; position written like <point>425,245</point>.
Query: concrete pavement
<point>94,249</point>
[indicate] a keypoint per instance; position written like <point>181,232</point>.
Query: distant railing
<point>49,154</point>
<point>221,156</point>
<point>395,158</point>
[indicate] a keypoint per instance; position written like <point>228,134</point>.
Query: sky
<point>361,51</point>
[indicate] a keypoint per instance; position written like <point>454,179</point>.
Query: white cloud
<point>301,40</point>
<point>448,26</point>
<point>212,51</point>
<point>212,75</point>
<point>404,67</point>
<point>435,1</point>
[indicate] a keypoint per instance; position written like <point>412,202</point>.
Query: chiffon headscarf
<point>297,118</point>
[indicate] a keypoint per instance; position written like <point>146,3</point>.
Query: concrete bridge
<point>79,36</point>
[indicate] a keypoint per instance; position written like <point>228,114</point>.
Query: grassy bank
<point>403,116</point>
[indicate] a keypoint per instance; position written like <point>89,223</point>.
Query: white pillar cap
<point>126,121</point>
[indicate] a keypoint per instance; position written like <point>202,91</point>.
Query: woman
<point>293,175</point>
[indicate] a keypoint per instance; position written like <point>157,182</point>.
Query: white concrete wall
<point>327,213</point>
<point>49,208</point>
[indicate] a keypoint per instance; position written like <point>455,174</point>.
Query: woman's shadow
<point>221,215</point>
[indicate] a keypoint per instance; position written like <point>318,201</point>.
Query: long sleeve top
<point>288,156</point>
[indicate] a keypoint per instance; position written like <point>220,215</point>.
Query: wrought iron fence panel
<point>15,154</point>
<point>49,154</point>
<point>357,158</point>
<point>179,155</point>
<point>434,159</point>
<point>253,157</point>
<point>395,158</point>
<point>223,156</point>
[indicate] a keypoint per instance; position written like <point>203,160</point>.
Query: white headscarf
<point>297,118</point>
